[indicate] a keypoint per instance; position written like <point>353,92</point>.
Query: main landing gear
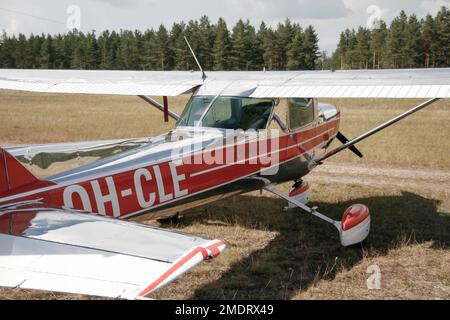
<point>354,226</point>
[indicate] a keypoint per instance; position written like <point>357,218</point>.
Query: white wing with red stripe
<point>65,251</point>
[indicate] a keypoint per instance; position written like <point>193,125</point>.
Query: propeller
<point>353,149</point>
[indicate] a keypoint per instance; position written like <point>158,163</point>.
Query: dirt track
<point>379,176</point>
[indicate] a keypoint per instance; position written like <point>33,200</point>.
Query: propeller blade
<point>353,149</point>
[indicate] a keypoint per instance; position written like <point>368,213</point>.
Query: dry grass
<point>420,140</point>
<point>413,271</point>
<point>275,255</point>
<point>27,118</point>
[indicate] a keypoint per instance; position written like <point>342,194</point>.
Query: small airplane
<point>64,207</point>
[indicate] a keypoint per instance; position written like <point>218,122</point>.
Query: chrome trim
<point>99,233</point>
<point>327,111</point>
<point>49,160</point>
<point>15,205</point>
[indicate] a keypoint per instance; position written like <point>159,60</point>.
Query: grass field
<point>404,179</point>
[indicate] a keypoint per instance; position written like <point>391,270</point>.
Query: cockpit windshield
<point>227,113</point>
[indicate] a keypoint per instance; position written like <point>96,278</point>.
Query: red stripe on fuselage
<point>154,185</point>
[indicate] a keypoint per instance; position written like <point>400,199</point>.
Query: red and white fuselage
<point>152,177</point>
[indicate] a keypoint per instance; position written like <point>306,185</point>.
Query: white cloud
<point>126,3</point>
<point>12,26</point>
<point>273,9</point>
<point>433,6</point>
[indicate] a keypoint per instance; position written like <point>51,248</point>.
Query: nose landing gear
<point>354,226</point>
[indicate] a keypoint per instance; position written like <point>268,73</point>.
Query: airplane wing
<point>132,83</point>
<point>66,251</point>
<point>414,83</point>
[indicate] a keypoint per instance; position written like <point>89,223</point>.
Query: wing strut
<point>350,232</point>
<point>164,108</point>
<point>383,126</point>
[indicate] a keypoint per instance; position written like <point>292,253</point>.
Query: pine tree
<point>352,56</point>
<point>36,49</point>
<point>296,51</point>
<point>258,62</point>
<point>106,51</point>
<point>27,55</point>
<point>206,43</point>
<point>6,53</point>
<point>20,51</point>
<point>92,52</point>
<point>443,38</point>
<point>378,44</point>
<point>414,46</point>
<point>253,52</point>
<point>58,45</point>
<point>284,36</point>
<point>128,55</point>
<point>311,45</point>
<point>79,54</point>
<point>243,40</point>
<point>342,50</point>
<point>180,51</point>
<point>47,53</point>
<point>397,41</point>
<point>267,41</point>
<point>163,52</point>
<point>3,49</point>
<point>193,35</point>
<point>222,46</point>
<point>70,43</point>
<point>149,59</point>
<point>429,41</point>
<point>363,53</point>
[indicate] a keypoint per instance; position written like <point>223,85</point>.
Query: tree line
<point>286,47</point>
<point>406,43</point>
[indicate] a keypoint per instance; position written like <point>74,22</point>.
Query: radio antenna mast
<point>196,60</point>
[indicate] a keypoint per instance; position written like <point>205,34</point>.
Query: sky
<point>329,17</point>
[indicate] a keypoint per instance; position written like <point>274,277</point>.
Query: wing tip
<point>209,250</point>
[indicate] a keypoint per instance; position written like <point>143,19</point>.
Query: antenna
<point>196,60</point>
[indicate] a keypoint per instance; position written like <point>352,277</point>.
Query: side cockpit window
<point>239,113</point>
<point>300,112</point>
<point>194,110</point>
<point>227,113</point>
